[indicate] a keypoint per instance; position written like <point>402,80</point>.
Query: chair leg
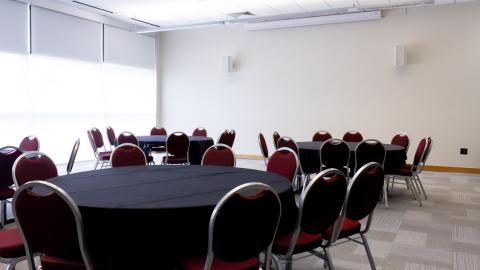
<point>412,189</point>
<point>385,193</point>
<point>328,259</point>
<point>421,186</point>
<point>3,213</point>
<point>96,164</point>
<point>367,250</point>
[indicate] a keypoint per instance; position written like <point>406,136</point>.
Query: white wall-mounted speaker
<point>400,55</point>
<point>227,63</point>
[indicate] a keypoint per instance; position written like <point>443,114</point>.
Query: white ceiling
<point>170,13</point>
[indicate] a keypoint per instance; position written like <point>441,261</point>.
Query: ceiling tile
<point>284,6</point>
<point>256,7</point>
<point>312,5</point>
<point>341,3</point>
<point>373,2</point>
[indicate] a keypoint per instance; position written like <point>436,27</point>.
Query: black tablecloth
<point>198,145</point>
<point>310,156</point>
<point>154,214</point>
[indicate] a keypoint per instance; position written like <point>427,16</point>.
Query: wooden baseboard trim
<point>426,168</point>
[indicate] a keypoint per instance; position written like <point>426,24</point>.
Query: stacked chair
<point>99,150</point>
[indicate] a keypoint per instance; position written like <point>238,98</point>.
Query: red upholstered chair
<point>276,137</point>
<point>127,137</point>
<point>334,153</point>
<point>200,131</point>
<point>8,155</point>
<point>73,155</point>
<point>12,250</point>
<point>178,145</point>
<point>285,163</point>
<point>402,140</point>
<point>219,155</point>
<point>32,166</point>
<point>319,207</point>
<point>30,143</point>
<point>362,195</point>
<point>321,136</point>
<point>111,137</point>
<point>263,147</point>
<point>227,137</point>
<point>128,154</point>
<point>158,131</point>
<point>241,227</point>
<point>289,143</point>
<point>99,150</point>
<point>51,225</point>
<point>352,136</point>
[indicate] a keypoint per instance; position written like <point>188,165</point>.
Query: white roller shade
<point>128,48</point>
<point>61,35</point>
<point>13,27</point>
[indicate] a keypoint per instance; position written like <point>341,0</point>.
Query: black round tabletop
<point>163,138</point>
<point>351,145</point>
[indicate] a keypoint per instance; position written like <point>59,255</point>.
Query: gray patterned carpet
<point>443,234</point>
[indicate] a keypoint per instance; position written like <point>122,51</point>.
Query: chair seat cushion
<point>404,170</point>
<point>6,193</point>
<point>104,155</point>
<point>198,263</point>
<point>305,242</point>
<point>350,227</point>
<point>11,245</point>
<point>174,160</point>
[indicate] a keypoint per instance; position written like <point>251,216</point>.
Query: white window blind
<point>13,27</point>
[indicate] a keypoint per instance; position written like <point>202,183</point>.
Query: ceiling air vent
<point>94,7</point>
<point>240,15</point>
<point>144,22</point>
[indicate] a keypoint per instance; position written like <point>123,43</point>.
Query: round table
<point>310,156</point>
<point>198,145</point>
<point>152,215</point>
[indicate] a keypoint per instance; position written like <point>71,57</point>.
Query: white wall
<point>334,77</point>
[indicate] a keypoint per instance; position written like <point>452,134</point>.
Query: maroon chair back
<point>284,162</point>
<point>30,143</point>
<point>50,223</point>
<point>73,155</point>
<point>97,138</point>
<point>369,151</point>
<point>334,153</point>
<point>401,139</point>
<point>419,153</point>
<point>158,131</point>
<point>243,224</point>
<point>33,166</point>
<point>428,148</point>
<point>227,137</point>
<point>178,144</point>
<point>91,140</point>
<point>8,155</point>
<point>263,145</point>
<point>200,131</point>
<point>128,154</point>
<point>352,136</point>
<point>111,136</point>
<point>321,136</point>
<point>364,190</point>
<point>289,143</point>
<point>276,137</point>
<point>219,155</point>
<point>322,201</point>
<point>127,137</point>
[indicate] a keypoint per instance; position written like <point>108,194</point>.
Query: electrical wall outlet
<point>463,151</point>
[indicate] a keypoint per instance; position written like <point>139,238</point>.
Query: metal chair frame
<point>25,155</point>
<point>265,155</point>
<point>227,131</point>
<point>339,141</point>
<point>76,214</point>
<point>303,178</point>
<point>3,203</point>
<point>130,145</point>
<point>275,142</point>
<point>102,163</point>
<point>297,161</point>
<point>168,154</point>
<point>323,132</point>
<point>221,145</point>
<point>112,146</point>
<point>218,207</point>
<point>404,134</point>
<point>73,155</point>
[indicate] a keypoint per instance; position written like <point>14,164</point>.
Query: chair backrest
<point>363,192</point>
<point>401,139</point>
<point>276,137</point>
<point>263,145</point>
<point>73,155</point>
<point>421,149</point>
<point>178,144</point>
<point>352,136</point>
<point>91,140</point>
<point>219,155</point>
<point>243,224</point>
<point>32,166</point>
<point>127,154</point>
<point>369,151</point>
<point>97,138</point>
<point>289,143</point>
<point>321,136</point>
<point>50,223</point>
<point>127,137</point>
<point>284,162</point>
<point>8,155</point>
<point>227,137</point>
<point>200,131</point>
<point>111,136</point>
<point>428,148</point>
<point>158,131</point>
<point>30,143</point>
<point>334,153</point>
<point>320,204</point>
